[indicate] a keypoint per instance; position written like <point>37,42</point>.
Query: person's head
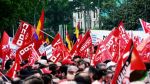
<point>71,72</point>
<point>53,68</point>
<point>47,78</point>
<point>81,65</point>
<point>93,73</point>
<point>76,58</point>
<point>109,75</point>
<point>62,72</point>
<point>101,66</point>
<point>111,66</point>
<point>33,80</point>
<point>83,78</point>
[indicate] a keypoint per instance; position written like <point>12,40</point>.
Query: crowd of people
<point>69,71</point>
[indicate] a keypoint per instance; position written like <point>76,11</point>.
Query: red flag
<point>145,26</point>
<point>141,46</point>
<point>15,67</point>
<point>136,61</point>
<point>24,51</point>
<point>133,60</point>
<point>33,57</point>
<point>84,47</point>
<point>40,26</point>
<point>5,49</point>
<point>75,46</point>
<point>84,43</point>
<point>117,41</point>
<point>102,54</point>
<point>57,50</point>
<point>136,41</point>
<point>117,71</point>
<point>5,39</point>
<point>112,44</point>
<point>123,36</point>
<point>23,34</point>
<point>57,42</point>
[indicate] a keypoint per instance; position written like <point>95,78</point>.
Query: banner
<point>24,51</point>
<point>23,34</point>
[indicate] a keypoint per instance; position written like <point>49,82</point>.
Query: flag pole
<point>46,34</point>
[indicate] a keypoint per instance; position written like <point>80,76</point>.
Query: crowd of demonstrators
<point>68,71</point>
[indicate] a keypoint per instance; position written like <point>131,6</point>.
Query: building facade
<point>86,19</point>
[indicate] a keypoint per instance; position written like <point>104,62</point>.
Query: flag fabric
<point>68,41</point>
<point>123,36</point>
<point>136,41</point>
<point>112,43</point>
<point>144,49</point>
<point>23,34</point>
<point>117,71</point>
<point>5,48</point>
<point>35,36</point>
<point>114,39</point>
<point>40,26</point>
<point>57,46</point>
<point>133,62</point>
<point>73,51</point>
<point>145,53</point>
<point>85,43</point>
<point>5,39</point>
<point>15,67</point>
<point>141,46</point>
<point>77,30</point>
<point>102,54</point>
<point>136,61</point>
<point>33,57</point>
<point>47,40</point>
<point>24,51</point>
<point>76,33</point>
<point>145,26</point>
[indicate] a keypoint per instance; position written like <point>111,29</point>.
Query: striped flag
<point>40,26</point>
<point>76,33</point>
<point>68,42</point>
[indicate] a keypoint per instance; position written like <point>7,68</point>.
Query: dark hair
<point>75,57</point>
<point>8,63</point>
<point>63,69</point>
<point>33,80</point>
<point>82,79</point>
<point>47,78</point>
<point>53,68</point>
<point>96,73</point>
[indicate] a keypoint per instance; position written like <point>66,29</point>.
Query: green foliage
<point>60,12</point>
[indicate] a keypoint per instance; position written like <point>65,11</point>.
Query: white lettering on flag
<point>49,51</point>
